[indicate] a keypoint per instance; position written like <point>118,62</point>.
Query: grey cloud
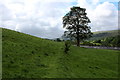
<point>50,33</point>
<point>5,13</point>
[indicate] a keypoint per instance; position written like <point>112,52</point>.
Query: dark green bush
<point>58,40</point>
<point>67,46</point>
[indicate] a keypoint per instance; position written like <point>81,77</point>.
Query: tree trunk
<point>78,41</point>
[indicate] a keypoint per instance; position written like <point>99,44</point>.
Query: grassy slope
<point>31,57</point>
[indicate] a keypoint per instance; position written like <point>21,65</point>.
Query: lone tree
<point>76,23</point>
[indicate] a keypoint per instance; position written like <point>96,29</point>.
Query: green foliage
<point>109,41</point>
<point>116,41</point>
<point>67,46</point>
<point>26,56</point>
<point>88,43</point>
<point>97,41</point>
<point>58,39</point>
<point>76,23</point>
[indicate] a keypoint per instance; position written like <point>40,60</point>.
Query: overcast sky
<point>43,18</point>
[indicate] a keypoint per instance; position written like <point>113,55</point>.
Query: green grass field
<point>26,56</point>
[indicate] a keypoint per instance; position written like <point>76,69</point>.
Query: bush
<point>97,41</point>
<point>58,40</point>
<point>67,46</point>
<point>87,43</point>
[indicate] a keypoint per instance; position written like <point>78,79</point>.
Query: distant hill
<point>26,56</point>
<point>104,34</point>
<point>99,35</point>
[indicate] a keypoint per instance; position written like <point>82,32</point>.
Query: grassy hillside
<point>103,34</point>
<point>26,56</point>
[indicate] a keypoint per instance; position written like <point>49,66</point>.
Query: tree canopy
<point>76,23</point>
